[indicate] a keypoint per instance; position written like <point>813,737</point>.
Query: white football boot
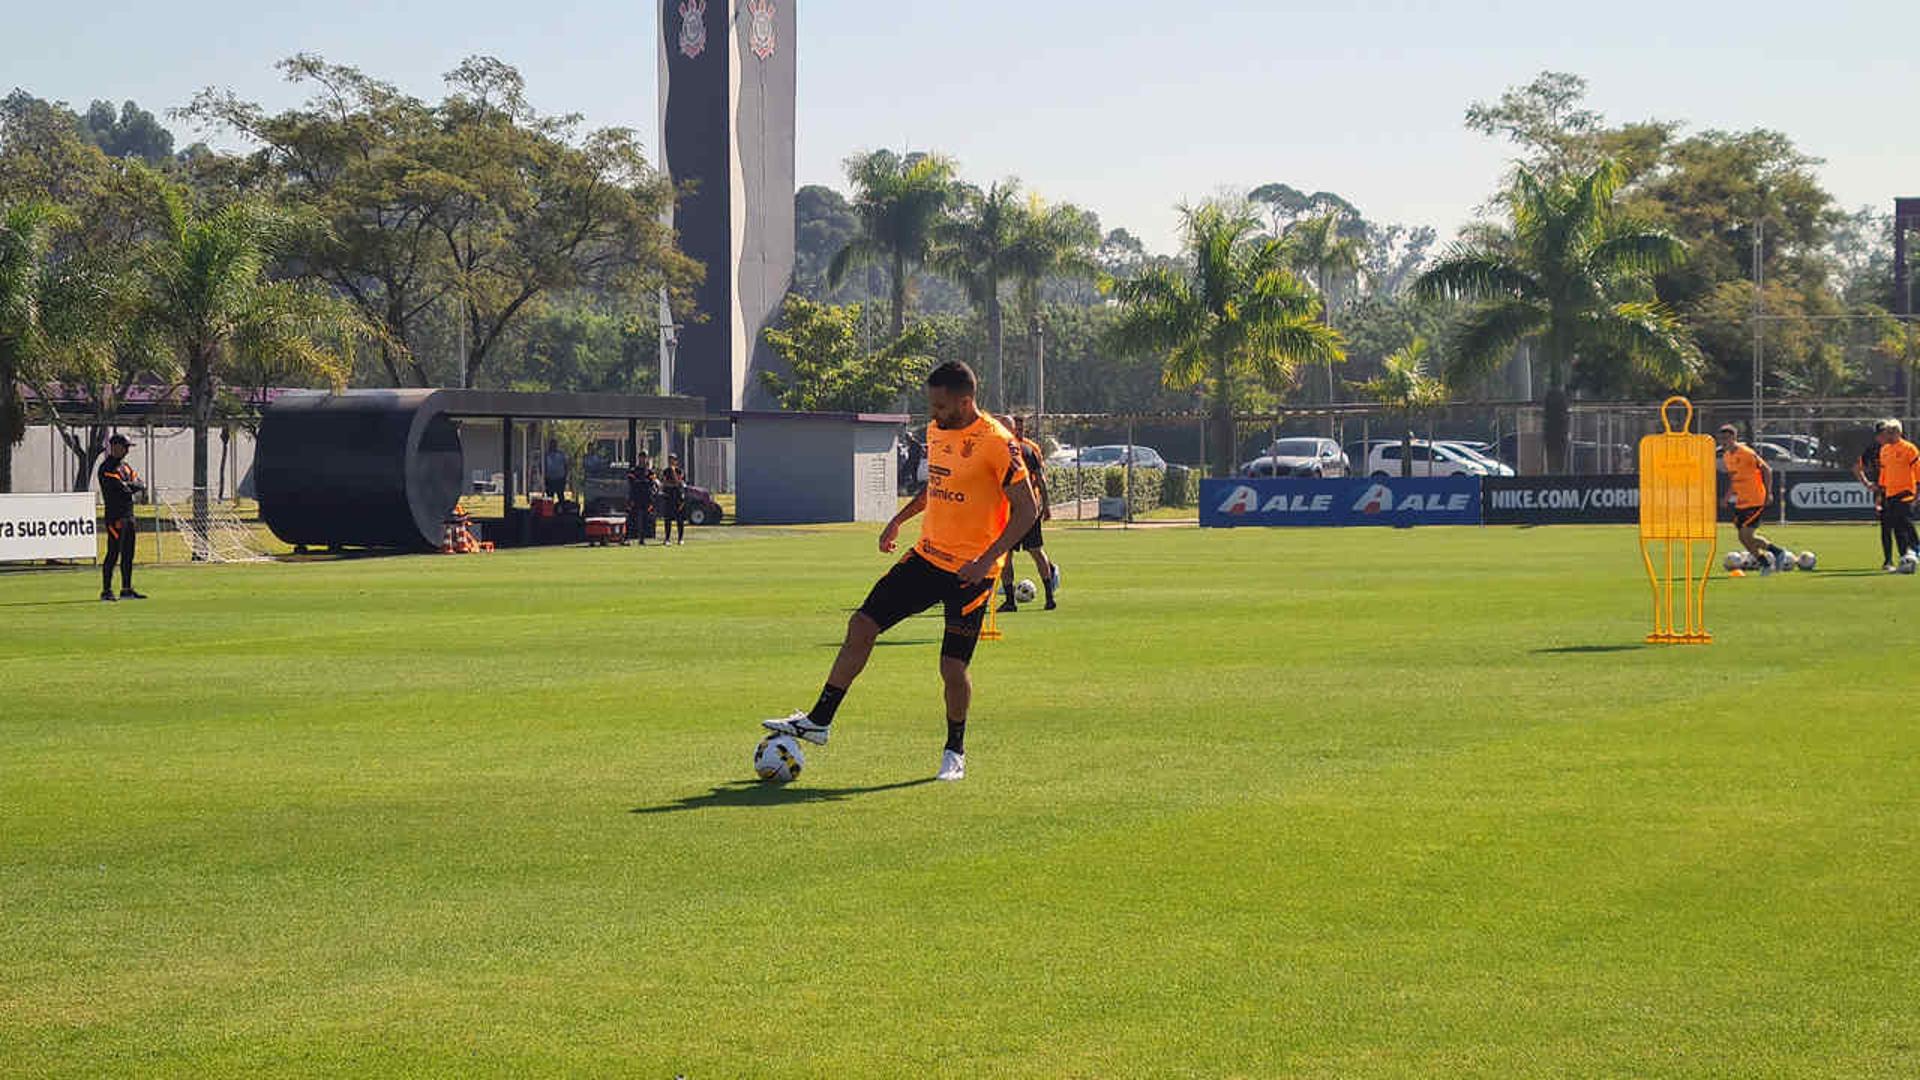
<point>800,726</point>
<point>952,766</point>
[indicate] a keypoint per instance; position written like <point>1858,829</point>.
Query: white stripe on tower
<point>737,227</point>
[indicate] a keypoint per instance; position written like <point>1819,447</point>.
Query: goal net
<point>210,527</point>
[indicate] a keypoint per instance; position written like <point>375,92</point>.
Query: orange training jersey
<point>1743,466</point>
<point>968,471</point>
<point>1899,468</point>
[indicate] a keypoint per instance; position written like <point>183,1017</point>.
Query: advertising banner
<point>1825,496</point>
<point>1561,500</point>
<point>47,527</point>
<point>1452,500</point>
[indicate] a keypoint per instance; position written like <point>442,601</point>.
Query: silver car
<point>1302,456</point>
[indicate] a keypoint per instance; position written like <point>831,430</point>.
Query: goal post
<point>209,526</point>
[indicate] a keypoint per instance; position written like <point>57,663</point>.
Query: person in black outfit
<point>118,485</point>
<point>1867,471</point>
<point>556,471</point>
<point>673,500</point>
<point>643,487</point>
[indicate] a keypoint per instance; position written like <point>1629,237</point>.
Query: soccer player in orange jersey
<point>978,504</point>
<point>1750,479</point>
<point>1035,542</point>
<point>1898,481</point>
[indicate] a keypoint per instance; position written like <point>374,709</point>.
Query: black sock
<point>1049,584</point>
<point>957,736</point>
<point>829,703</point>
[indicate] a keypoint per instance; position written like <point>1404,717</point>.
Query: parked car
<point>1299,457</point>
<point>1494,466</point>
<point>606,495</point>
<point>1429,459</point>
<point>1144,457</point>
<point>1585,457</point>
<point>1782,459</point>
<point>1806,446</point>
<point>1360,450</point>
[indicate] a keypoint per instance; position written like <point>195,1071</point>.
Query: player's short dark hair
<point>954,375</point>
<point>1879,426</point>
<point>118,440</point>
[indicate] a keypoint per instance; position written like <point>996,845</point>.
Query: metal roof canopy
<point>518,405</point>
<point>382,468</point>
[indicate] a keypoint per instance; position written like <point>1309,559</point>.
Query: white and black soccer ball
<point>1908,564</point>
<point>1026,590</point>
<point>1735,560</point>
<point>1787,561</point>
<point>778,758</point>
<point>1808,561</point>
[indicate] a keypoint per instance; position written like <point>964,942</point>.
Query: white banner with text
<point>48,527</point>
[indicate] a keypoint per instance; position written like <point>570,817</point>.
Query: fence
<point>163,456</point>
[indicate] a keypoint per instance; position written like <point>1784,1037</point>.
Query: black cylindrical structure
<point>367,469</point>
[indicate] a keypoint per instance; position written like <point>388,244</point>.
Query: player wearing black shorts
<point>977,503</point>
<point>118,485</point>
<point>1034,542</point>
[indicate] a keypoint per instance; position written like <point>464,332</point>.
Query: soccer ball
<point>1026,591</point>
<point>1788,561</point>
<point>777,758</point>
<point>1908,564</point>
<point>1736,560</point>
<point>1807,560</point>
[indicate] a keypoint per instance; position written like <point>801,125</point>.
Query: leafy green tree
<point>899,201</point>
<point>1330,256</point>
<point>26,235</point>
<point>1234,310</point>
<point>974,248</point>
<point>1407,388</point>
<point>478,202</point>
<point>831,370</point>
<point>204,291</point>
<point>133,132</point>
<point>1051,241</point>
<point>1572,275</point>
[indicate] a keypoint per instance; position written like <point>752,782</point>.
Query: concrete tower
<point>727,83</point>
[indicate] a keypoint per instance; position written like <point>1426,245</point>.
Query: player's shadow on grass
<point>1581,650</point>
<point>753,793</point>
<point>48,603</point>
<point>883,643</point>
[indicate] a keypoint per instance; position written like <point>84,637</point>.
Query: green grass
<point>1252,803</point>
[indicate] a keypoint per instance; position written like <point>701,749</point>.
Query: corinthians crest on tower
<point>760,37</point>
<point>693,28</point>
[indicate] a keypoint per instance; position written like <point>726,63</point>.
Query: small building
<point>814,468</point>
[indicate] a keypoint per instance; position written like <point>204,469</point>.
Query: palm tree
<point>898,201</point>
<point>26,235</point>
<point>973,247</point>
<point>1052,241</point>
<point>1234,309</point>
<point>205,293</point>
<point>1573,276</point>
<point>1322,248</point>
<point>1405,386</point>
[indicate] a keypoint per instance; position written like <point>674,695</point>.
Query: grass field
<point>1252,803</point>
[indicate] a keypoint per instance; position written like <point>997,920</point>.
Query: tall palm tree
<point>1406,387</point>
<point>206,294</point>
<point>26,235</point>
<point>1052,241</point>
<point>973,247</point>
<point>1572,275</point>
<point>1329,254</point>
<point>1233,309</point>
<point>898,201</point>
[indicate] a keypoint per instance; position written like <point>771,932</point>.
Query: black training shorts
<point>1033,541</point>
<point>1747,517</point>
<point>914,585</point>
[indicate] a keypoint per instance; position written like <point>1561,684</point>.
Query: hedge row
<point>1175,485</point>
